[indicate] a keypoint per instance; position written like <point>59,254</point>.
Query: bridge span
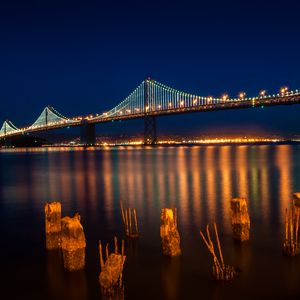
<point>148,101</point>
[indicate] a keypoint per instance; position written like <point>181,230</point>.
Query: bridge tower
<point>6,141</point>
<point>87,134</point>
<point>150,137</point>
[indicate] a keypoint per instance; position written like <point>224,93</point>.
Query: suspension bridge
<point>148,101</point>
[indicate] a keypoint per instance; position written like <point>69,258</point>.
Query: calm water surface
<point>199,181</point>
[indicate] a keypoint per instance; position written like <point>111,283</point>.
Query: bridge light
<point>170,104</point>
<point>159,106</point>
<point>181,103</point>
<point>195,101</point>
<point>242,95</point>
<point>224,97</point>
<point>262,93</point>
<point>284,90</point>
<point>147,107</point>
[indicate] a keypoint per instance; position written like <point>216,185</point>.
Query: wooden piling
<point>240,220</point>
<point>296,199</point>
<point>111,274</point>
<point>169,232</point>
<point>291,245</point>
<point>53,225</point>
<point>73,243</point>
<point>221,271</point>
<point>130,221</point>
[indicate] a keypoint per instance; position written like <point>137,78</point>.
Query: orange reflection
<point>65,175</point>
<point>195,167</point>
<point>283,162</point>
<point>91,178</point>
<point>108,185</point>
<point>199,181</point>
<point>226,184</point>
<point>161,178</point>
<point>80,187</point>
<point>54,182</point>
<point>210,169</point>
<point>241,164</point>
<point>171,177</point>
<point>130,177</point>
<point>183,196</point>
<point>138,180</point>
<point>265,194</point>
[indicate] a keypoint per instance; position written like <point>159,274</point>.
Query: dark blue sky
<point>86,56</point>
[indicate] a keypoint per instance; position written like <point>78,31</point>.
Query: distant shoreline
<point>171,144</point>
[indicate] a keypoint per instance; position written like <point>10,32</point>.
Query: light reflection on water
<point>199,181</point>
<point>204,178</point>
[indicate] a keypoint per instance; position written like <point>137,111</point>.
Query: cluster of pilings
<point>67,234</point>
<point>130,222</point>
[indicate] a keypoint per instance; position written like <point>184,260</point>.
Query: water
<point>199,181</point>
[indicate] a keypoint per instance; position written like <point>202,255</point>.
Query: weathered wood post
<point>130,223</point>
<point>73,243</point>
<point>291,245</point>
<point>221,271</point>
<point>296,198</point>
<point>111,274</point>
<point>240,220</point>
<point>52,225</point>
<point>169,232</point>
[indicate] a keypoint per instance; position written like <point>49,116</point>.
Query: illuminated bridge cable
<point>152,98</point>
<point>7,128</point>
<point>160,98</point>
<point>133,104</point>
<point>49,117</point>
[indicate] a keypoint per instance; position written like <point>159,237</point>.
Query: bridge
<point>148,101</point>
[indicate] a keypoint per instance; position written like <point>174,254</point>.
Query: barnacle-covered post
<point>240,220</point>
<point>169,232</point>
<point>111,274</point>
<point>52,224</point>
<point>73,243</point>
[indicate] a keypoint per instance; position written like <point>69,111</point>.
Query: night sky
<point>85,57</point>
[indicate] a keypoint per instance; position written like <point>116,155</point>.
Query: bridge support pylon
<point>87,134</point>
<point>150,137</point>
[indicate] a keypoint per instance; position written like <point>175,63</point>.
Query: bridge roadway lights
<point>150,130</point>
<point>87,134</point>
